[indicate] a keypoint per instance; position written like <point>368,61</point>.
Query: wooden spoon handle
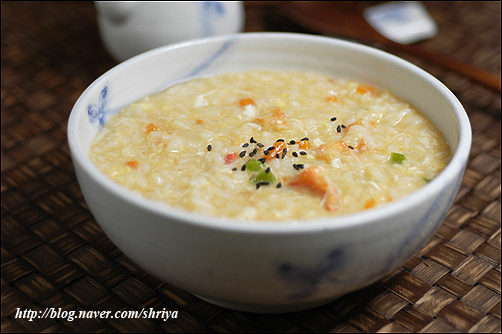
<point>345,19</point>
<point>477,74</point>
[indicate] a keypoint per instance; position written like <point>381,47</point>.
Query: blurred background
<point>55,255</point>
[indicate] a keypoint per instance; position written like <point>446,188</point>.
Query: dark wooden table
<point>54,255</point>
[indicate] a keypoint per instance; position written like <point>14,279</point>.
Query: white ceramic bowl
<point>267,267</point>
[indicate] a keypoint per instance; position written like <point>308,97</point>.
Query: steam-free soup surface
<point>270,145</point>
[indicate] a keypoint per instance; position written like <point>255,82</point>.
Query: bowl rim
<point>457,163</point>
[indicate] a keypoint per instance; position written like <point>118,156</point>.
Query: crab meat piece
<point>313,179</point>
<point>276,120</point>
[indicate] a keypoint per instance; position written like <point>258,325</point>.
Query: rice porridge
<point>271,145</point>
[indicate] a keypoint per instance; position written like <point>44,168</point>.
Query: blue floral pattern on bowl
<point>309,277</point>
<point>211,59</point>
<point>97,112</point>
<point>210,11</point>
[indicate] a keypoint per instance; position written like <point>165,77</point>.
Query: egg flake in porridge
<point>271,145</point>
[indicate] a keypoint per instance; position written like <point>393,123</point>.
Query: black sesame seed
<point>242,154</point>
<point>255,151</point>
<point>267,170</point>
<point>266,152</point>
<point>279,185</point>
<point>278,140</point>
<point>333,119</point>
<point>343,126</point>
<point>295,166</point>
<point>292,142</point>
<point>251,154</point>
<point>350,147</point>
<point>252,141</point>
<point>295,154</point>
<point>259,184</point>
<point>262,160</point>
<point>303,153</point>
<point>209,147</point>
<point>305,139</point>
<point>271,148</point>
<point>338,129</point>
<point>243,168</point>
<point>260,145</point>
<point>278,156</point>
<point>300,166</point>
<point>235,168</point>
<point>284,152</point>
<point>245,145</point>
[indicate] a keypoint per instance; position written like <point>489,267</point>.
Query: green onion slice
<point>397,158</point>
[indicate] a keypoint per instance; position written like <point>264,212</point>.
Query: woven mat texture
<point>54,254</point>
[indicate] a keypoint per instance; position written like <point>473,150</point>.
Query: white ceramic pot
<point>267,266</point>
<point>130,28</point>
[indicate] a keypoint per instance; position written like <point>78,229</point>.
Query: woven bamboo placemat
<point>54,255</point>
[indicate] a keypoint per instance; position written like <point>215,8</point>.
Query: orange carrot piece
<point>133,164</point>
<point>245,102</point>
<point>151,127</point>
<point>331,99</point>
<point>370,203</point>
<point>363,89</point>
<point>304,145</point>
<point>279,147</point>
